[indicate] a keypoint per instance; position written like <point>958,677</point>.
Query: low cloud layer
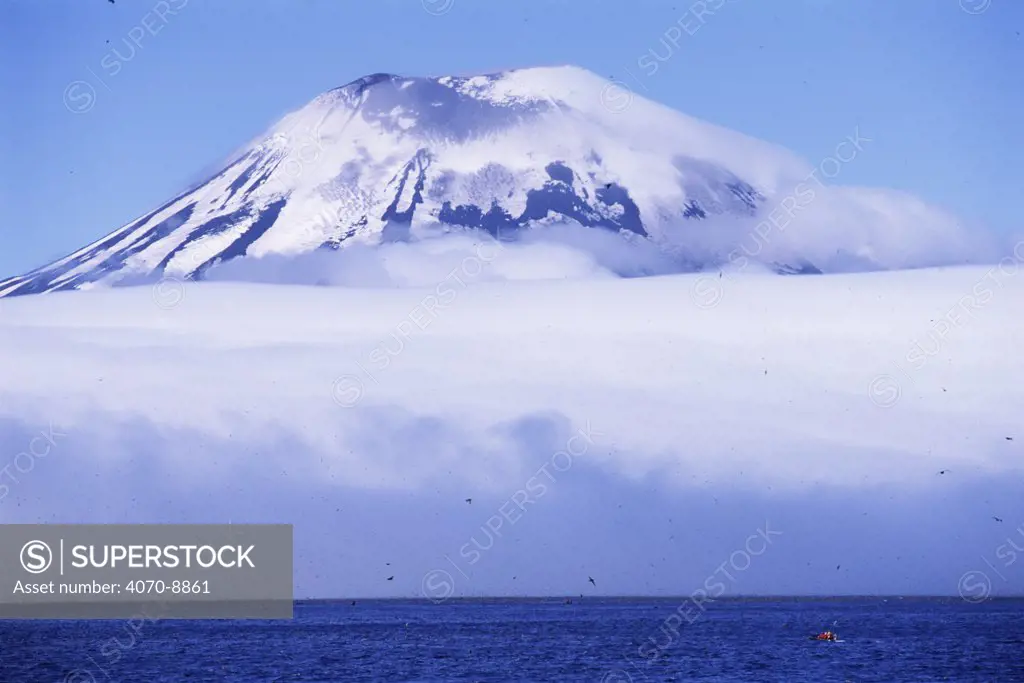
<point>832,229</point>
<point>635,536</point>
<point>828,406</point>
<point>556,252</point>
<point>842,229</point>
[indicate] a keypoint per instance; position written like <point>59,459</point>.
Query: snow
<point>355,141</point>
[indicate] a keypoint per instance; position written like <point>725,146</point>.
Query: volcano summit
<point>389,158</point>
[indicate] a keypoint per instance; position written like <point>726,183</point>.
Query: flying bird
<point>943,471</point>
<point>469,500</point>
<point>1009,438</point>
<point>391,578</point>
<point>591,580</point>
<point>997,519</point>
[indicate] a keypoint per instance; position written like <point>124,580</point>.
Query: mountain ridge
<point>385,157</point>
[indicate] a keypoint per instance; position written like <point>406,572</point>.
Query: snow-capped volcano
<point>384,157</point>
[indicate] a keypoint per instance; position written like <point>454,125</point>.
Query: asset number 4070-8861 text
<point>174,587</point>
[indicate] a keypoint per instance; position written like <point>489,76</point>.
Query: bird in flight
<point>997,519</point>
<point>391,578</point>
<point>591,580</point>
<point>943,471</point>
<point>469,500</point>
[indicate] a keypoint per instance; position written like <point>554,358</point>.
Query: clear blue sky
<point>938,89</point>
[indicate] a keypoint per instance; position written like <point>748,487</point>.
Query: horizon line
<point>764,597</point>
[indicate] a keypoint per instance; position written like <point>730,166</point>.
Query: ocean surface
<point>592,639</point>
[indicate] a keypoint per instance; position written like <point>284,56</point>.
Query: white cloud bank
<point>364,415</point>
<point>753,373</point>
<point>853,242</point>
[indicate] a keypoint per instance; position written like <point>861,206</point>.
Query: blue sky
<point>938,88</point>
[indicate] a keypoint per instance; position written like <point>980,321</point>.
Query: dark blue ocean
<point>610,640</point>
